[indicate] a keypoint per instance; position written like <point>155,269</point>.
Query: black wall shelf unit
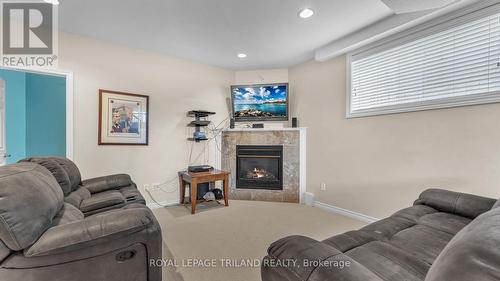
<point>199,121</point>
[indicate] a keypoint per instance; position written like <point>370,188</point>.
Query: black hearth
<point>259,167</point>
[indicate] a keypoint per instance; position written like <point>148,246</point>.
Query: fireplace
<point>259,167</point>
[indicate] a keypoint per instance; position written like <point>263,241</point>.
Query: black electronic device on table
<point>258,126</point>
<point>200,169</point>
<point>200,113</point>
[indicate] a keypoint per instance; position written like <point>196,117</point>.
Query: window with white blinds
<point>458,65</point>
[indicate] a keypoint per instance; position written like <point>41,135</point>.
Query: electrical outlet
<point>155,186</point>
<point>323,186</point>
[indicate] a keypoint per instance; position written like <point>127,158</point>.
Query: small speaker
<point>295,122</point>
<point>231,123</point>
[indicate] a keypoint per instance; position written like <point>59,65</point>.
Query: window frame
<point>443,23</point>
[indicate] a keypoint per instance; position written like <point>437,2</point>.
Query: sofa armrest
<point>101,184</point>
<point>291,254</point>
<point>299,258</point>
<point>466,205</point>
<point>93,230</point>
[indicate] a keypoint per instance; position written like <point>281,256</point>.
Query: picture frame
<point>123,118</point>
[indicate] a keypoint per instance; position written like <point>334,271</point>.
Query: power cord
<point>214,133</point>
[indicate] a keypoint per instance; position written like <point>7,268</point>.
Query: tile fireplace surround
<point>293,141</point>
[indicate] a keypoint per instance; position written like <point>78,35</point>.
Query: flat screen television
<point>266,102</point>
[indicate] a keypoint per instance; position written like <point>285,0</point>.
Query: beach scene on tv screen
<point>260,101</point>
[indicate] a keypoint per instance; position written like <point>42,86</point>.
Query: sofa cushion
<point>110,182</point>
<point>64,170</point>
<point>102,200</point>
<point>386,228</point>
<point>445,222</point>
<point>389,262</point>
<point>403,246</point>
<point>349,240</point>
<point>472,254</point>
<point>67,214</point>
<point>462,204</point>
<point>414,213</point>
<point>135,206</point>
<point>4,251</point>
<point>421,241</point>
<point>30,197</point>
<point>57,171</point>
<point>72,171</point>
<point>76,197</point>
<point>103,228</point>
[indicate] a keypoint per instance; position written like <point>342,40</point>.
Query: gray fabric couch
<point>44,236</point>
<point>444,236</point>
<point>90,196</point>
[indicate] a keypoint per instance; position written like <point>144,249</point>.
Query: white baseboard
<point>344,212</point>
<point>154,205</point>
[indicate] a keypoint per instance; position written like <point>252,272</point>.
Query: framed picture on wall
<point>123,118</point>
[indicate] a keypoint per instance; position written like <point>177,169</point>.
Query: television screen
<point>260,102</point>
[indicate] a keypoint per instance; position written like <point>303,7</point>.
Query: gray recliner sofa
<point>44,238</point>
<point>444,236</point>
<point>91,196</point>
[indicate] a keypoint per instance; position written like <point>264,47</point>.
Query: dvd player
<point>200,169</point>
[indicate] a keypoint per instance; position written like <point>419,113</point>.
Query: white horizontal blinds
<point>460,61</point>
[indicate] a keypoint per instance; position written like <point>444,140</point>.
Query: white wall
<point>262,76</point>
<point>372,165</point>
<point>174,86</point>
<point>377,165</point>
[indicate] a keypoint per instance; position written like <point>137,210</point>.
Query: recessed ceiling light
<point>242,56</point>
<point>306,13</point>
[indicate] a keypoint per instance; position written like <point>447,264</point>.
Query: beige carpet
<point>237,234</point>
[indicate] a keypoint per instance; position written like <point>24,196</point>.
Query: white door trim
<point>69,101</point>
<point>3,131</point>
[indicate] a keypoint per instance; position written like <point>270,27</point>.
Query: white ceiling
<point>215,31</point>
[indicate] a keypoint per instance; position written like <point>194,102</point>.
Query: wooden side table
<point>195,178</point>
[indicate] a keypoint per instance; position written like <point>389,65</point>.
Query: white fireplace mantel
<point>302,129</point>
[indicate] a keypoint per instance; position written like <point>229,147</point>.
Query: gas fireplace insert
<point>259,167</point>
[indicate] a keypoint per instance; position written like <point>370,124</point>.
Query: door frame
<point>68,75</point>
<point>3,139</point>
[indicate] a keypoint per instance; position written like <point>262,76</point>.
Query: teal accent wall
<point>45,115</point>
<point>15,114</point>
<point>35,115</point>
